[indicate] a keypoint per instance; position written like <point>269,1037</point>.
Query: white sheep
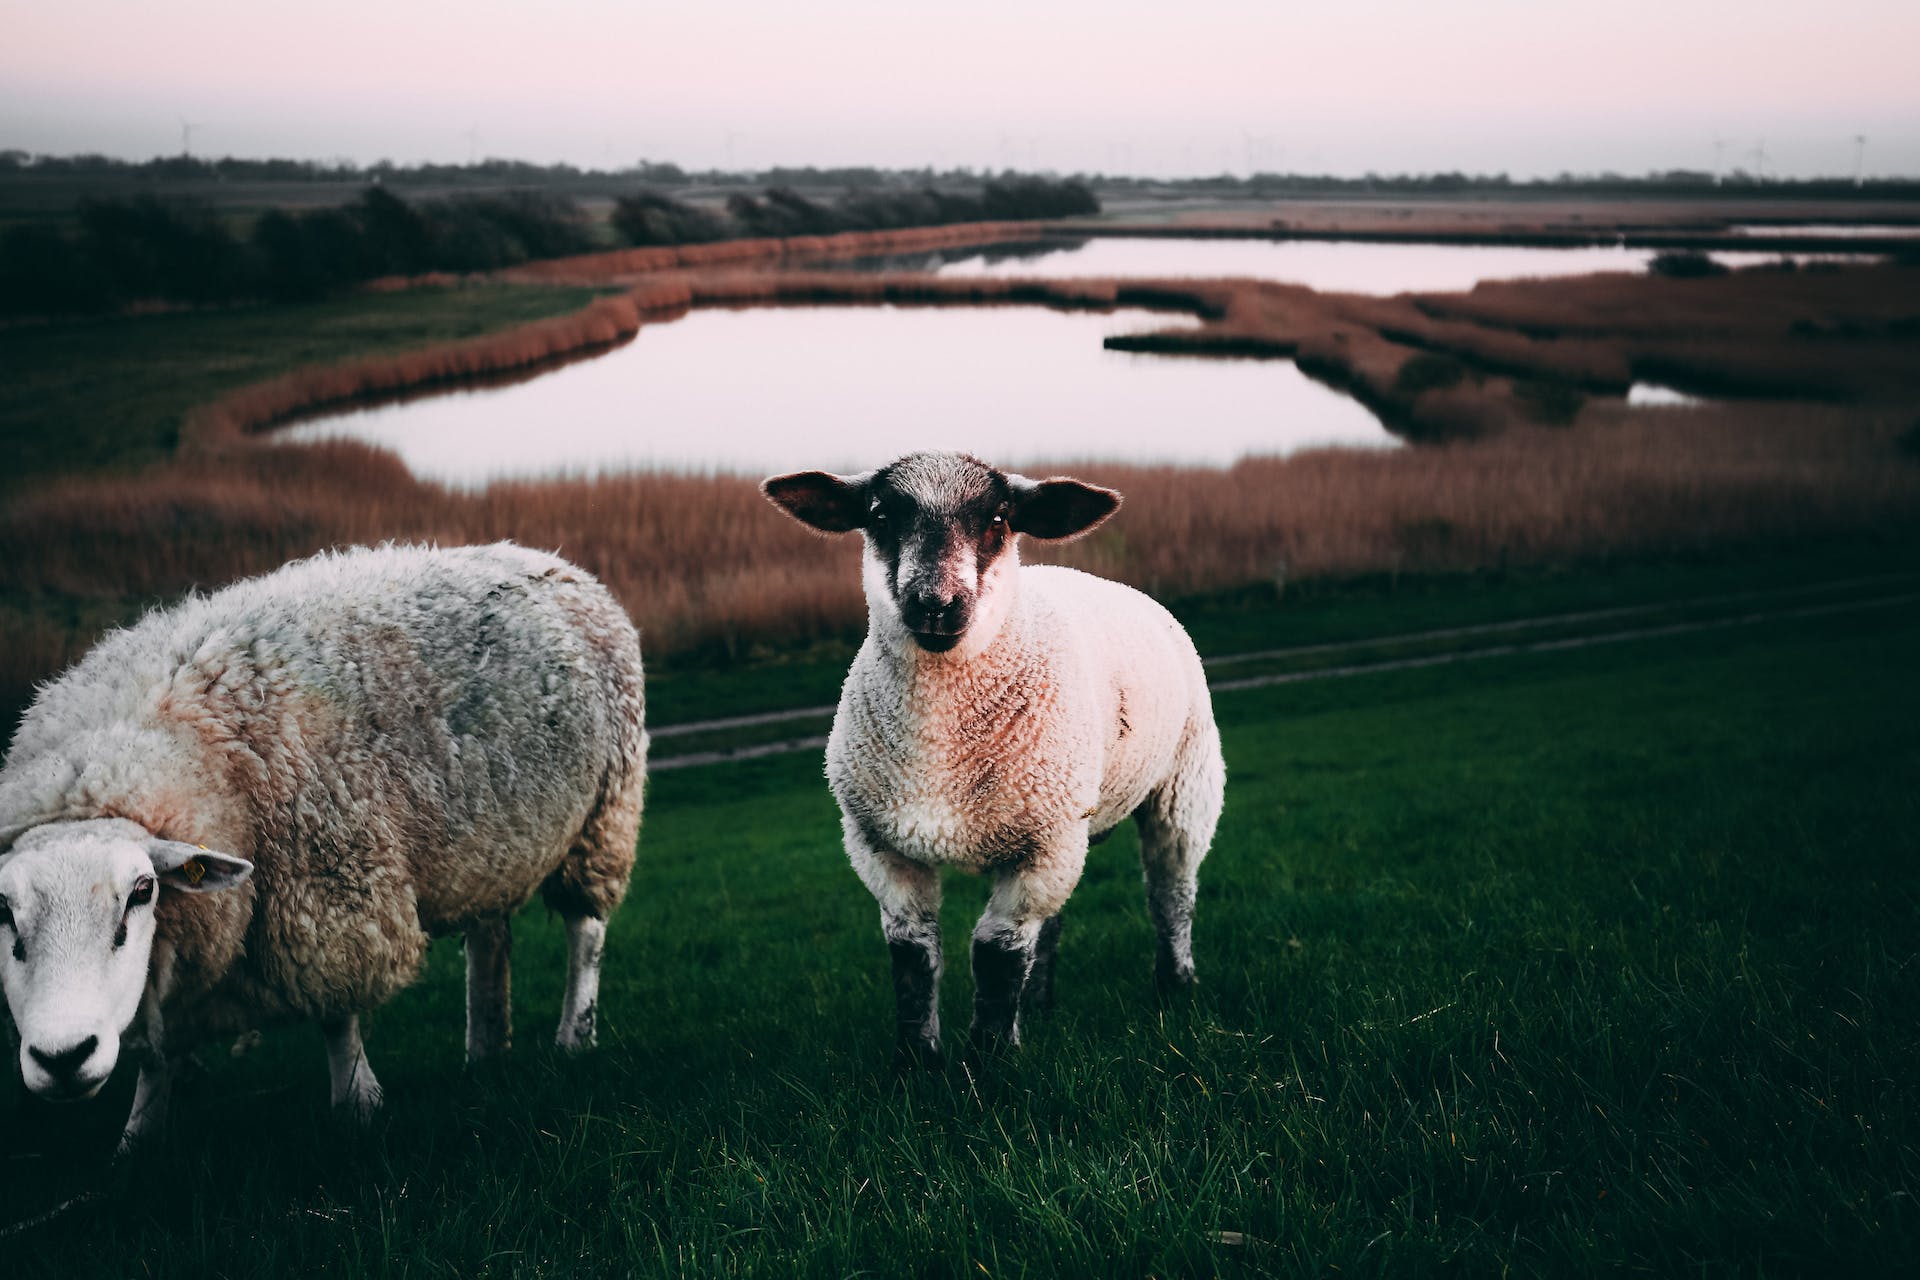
<point>999,719</point>
<point>357,752</point>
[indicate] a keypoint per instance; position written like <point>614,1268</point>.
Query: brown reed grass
<point>708,568</point>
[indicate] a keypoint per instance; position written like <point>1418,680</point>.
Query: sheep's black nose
<point>63,1063</point>
<point>933,602</point>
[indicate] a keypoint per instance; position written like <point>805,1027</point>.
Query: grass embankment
<point>110,395</point>
<point>1575,963</point>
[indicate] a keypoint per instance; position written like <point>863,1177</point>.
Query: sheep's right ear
<point>829,503</point>
<point>194,869</point>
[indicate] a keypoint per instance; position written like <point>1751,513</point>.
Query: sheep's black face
<point>938,527</point>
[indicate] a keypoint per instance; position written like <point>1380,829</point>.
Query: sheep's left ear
<point>190,868</point>
<point>829,503</point>
<point>1059,508</point>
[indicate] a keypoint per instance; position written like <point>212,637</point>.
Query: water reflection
<point>772,389</point>
<point>1652,395</point>
<point>1333,266</point>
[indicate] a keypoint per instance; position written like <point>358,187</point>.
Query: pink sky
<point>1526,86</point>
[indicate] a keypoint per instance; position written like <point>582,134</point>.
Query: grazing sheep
<point>999,719</point>
<point>261,804</point>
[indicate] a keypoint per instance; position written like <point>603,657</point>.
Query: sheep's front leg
<point>909,898</point>
<point>1022,921</point>
<point>489,987</point>
<point>355,1092</point>
<point>155,1085</point>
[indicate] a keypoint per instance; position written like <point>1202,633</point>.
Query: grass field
<point>109,394</point>
<point>1584,962</point>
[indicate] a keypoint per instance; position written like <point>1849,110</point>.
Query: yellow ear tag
<point>194,870</point>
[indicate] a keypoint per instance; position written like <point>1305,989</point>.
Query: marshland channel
<point>764,389</point>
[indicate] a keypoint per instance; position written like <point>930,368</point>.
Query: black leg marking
<point>999,974</point>
<point>916,996</point>
<point>1038,996</point>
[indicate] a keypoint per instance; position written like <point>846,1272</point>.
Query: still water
<point>1333,266</point>
<point>786,388</point>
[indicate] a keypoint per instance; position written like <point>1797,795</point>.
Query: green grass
<point>109,394</point>
<point>1582,962</point>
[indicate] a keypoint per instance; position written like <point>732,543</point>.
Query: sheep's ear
<point>1059,508</point>
<point>194,869</point>
<point>830,503</point>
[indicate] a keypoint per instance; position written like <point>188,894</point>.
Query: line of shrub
<point>145,249</point>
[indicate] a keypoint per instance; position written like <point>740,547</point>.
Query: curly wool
<point>1089,697</point>
<point>401,739</point>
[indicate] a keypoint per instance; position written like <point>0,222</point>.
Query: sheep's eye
<point>877,516</point>
<point>142,892</point>
<point>1000,516</point>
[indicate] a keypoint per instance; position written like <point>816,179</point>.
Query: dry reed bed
<point>705,566</point>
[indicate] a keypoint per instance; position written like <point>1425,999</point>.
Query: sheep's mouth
<point>937,641</point>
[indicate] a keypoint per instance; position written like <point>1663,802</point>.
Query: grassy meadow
<point>1533,960</point>
<point>1579,962</point>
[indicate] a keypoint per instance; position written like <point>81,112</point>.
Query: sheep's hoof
<point>1174,983</point>
<point>911,1055</point>
<point>360,1106</point>
<point>580,1032</point>
<point>136,1141</point>
<point>985,1041</point>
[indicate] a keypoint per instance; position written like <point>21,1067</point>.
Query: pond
<point>1333,266</point>
<point>774,389</point>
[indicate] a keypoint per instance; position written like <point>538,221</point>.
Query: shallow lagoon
<point>785,388</point>
<point>1332,266</point>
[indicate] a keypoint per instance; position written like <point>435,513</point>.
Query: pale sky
<point>1202,86</point>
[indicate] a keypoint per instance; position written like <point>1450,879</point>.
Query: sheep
<point>261,804</point>
<point>999,719</point>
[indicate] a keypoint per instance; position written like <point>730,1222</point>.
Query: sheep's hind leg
<point>356,1093</point>
<point>585,890</point>
<point>586,943</point>
<point>1176,825</point>
<point>489,987</point>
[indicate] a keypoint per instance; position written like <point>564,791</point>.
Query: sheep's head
<point>939,534</point>
<point>76,932</point>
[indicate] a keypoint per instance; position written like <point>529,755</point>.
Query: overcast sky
<point>1176,87</point>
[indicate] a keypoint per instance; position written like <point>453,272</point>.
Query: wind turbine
<point>472,135</point>
<point>1719,145</point>
<point>1859,158</point>
<point>1759,154</point>
<point>186,134</point>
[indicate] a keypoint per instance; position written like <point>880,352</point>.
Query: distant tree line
<point>115,252</point>
<point>121,251</point>
<point>495,172</point>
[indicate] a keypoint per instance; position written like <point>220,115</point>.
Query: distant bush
<point>1552,402</point>
<point>1685,264</point>
<point>131,250</point>
<point>43,272</point>
<point>1428,372</point>
<point>649,218</point>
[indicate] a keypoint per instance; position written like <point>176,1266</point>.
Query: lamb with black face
<point>997,720</point>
